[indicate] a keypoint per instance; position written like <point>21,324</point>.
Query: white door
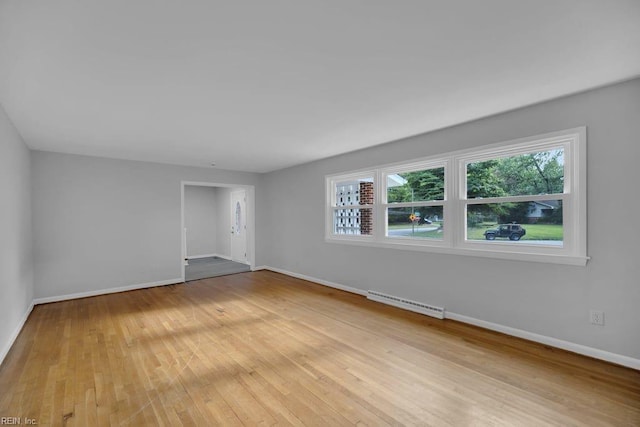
<point>239,226</point>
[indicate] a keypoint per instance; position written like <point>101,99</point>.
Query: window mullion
<point>414,204</point>
<point>457,177</point>
<point>516,199</point>
<point>379,222</point>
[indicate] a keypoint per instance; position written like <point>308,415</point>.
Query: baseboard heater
<point>418,307</point>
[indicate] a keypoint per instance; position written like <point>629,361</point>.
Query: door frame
<point>250,215</point>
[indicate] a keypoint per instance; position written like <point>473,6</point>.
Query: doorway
<point>206,268</point>
<point>217,228</point>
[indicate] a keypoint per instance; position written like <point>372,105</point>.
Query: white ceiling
<point>260,85</point>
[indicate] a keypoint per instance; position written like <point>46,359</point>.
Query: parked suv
<point>512,231</point>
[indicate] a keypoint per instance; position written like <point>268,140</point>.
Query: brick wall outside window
<point>366,215</point>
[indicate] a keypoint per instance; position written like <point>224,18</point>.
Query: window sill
<point>482,253</point>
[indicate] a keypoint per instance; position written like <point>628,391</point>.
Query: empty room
<point>319,213</point>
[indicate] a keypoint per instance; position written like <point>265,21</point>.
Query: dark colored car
<point>512,231</point>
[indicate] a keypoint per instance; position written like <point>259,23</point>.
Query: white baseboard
<point>210,256</point>
<point>36,301</point>
<point>531,336</point>
<point>202,256</point>
<point>595,353</point>
<point>46,300</point>
<point>14,335</point>
<point>618,359</point>
<point>316,280</point>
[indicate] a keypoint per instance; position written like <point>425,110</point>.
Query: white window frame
<point>382,227</point>
<point>573,250</point>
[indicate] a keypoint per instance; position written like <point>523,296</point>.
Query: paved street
<point>409,231</point>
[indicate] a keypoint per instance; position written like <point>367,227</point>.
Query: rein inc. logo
<point>16,421</point>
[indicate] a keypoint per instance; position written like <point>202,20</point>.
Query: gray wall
<point>16,259</point>
<point>103,223</point>
<point>551,300</point>
<point>200,220</point>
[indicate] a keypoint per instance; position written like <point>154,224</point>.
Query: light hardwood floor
<point>263,349</point>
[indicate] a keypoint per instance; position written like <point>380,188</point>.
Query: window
<point>352,200</point>
<point>525,188</point>
<point>521,199</point>
<point>414,201</point>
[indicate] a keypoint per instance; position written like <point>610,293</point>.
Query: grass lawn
<point>432,234</point>
<point>534,232</point>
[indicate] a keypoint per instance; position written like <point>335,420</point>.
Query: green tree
<point>536,173</point>
<point>424,185</point>
<point>526,174</point>
<point>482,180</point>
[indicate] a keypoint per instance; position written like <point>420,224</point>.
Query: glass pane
<point>418,186</point>
<point>525,174</point>
<point>238,225</point>
<point>421,222</point>
<point>528,222</point>
<point>353,221</point>
<point>355,192</point>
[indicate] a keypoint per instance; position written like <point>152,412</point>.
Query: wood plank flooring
<point>266,349</point>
